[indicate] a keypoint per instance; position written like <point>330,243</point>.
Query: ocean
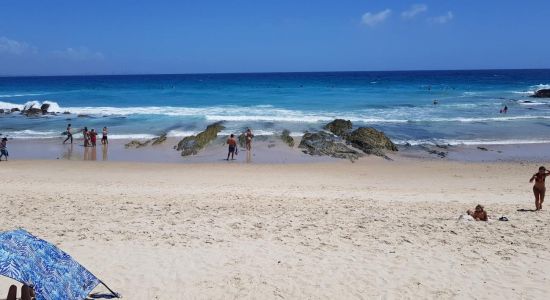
<point>399,103</point>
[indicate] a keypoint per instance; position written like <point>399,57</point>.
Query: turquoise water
<point>400,103</point>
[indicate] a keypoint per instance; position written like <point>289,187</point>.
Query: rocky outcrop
<point>323,143</point>
<point>191,145</point>
<point>32,111</point>
<point>15,109</point>
<point>1,111</point>
<point>340,127</point>
<point>370,141</point>
<point>242,140</point>
<point>285,136</point>
<point>544,93</point>
<point>154,141</point>
<point>158,140</point>
<point>44,108</point>
<point>136,144</point>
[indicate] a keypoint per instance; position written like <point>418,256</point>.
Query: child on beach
<point>104,140</point>
<point>479,214</point>
<point>539,189</point>
<point>93,137</point>
<point>232,146</point>
<point>4,148</point>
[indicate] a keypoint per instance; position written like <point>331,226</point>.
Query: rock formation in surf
<point>191,145</point>
<point>544,93</point>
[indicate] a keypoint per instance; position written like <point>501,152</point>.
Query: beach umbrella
<point>52,273</point>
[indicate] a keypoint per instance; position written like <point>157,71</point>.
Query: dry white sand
<point>373,229</point>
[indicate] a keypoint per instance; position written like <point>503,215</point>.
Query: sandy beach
<point>322,230</point>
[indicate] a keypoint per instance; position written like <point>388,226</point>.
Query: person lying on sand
<point>479,214</point>
<point>539,189</point>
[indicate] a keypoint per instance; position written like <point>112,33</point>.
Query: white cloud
<point>414,10</point>
<point>371,19</point>
<point>79,54</point>
<point>14,47</point>
<point>443,19</point>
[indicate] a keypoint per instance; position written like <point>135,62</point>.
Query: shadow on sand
<point>526,210</point>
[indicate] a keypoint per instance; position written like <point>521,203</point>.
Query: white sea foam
<point>20,95</point>
<point>31,134</point>
<point>7,105</point>
<point>457,142</point>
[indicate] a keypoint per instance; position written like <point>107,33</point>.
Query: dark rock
<point>15,109</point>
<point>32,111</point>
<point>242,140</point>
<point>438,153</point>
<point>66,113</point>
<point>137,144</point>
<point>159,140</point>
<point>191,145</point>
<point>285,136</point>
<point>544,93</point>
<point>154,141</point>
<point>44,108</point>
<point>1,111</point>
<point>482,148</point>
<point>323,143</point>
<point>83,116</point>
<point>339,127</point>
<point>371,141</point>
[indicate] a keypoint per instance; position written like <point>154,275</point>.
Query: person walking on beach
<point>4,148</point>
<point>539,189</point>
<point>104,140</point>
<point>69,134</point>
<point>86,136</point>
<point>248,139</point>
<point>93,137</point>
<point>232,143</point>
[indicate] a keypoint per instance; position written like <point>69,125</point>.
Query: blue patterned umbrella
<point>51,272</point>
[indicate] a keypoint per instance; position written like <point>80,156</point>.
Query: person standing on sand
<point>104,140</point>
<point>69,134</point>
<point>93,137</point>
<point>248,139</point>
<point>539,189</point>
<point>86,137</point>
<point>4,148</point>
<point>232,146</point>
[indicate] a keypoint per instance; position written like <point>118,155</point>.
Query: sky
<point>69,37</point>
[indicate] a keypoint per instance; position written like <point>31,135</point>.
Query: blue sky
<point>126,37</point>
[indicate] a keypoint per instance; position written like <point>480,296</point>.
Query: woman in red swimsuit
<point>539,189</point>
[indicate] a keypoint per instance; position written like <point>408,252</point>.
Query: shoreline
<point>266,150</point>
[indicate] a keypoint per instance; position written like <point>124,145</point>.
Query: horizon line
<point>272,72</point>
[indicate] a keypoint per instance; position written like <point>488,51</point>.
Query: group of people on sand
<point>539,190</point>
<point>89,136</point>
<point>233,145</point>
